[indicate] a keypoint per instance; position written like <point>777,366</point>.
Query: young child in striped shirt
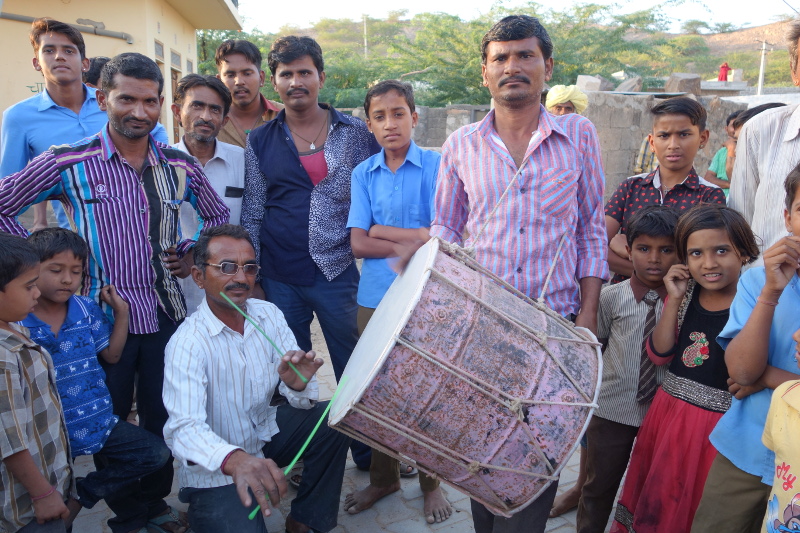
<point>628,312</point>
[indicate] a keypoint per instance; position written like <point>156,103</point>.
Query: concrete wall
<point>622,122</point>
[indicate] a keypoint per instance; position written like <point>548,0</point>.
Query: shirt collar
<point>793,128</point>
<point>219,150</point>
<point>108,148</point>
<point>14,342</point>
<point>46,101</point>
<point>413,156</point>
<point>215,326</point>
<point>692,180</point>
<point>792,396</point>
<point>547,125</point>
<point>640,289</point>
<point>268,106</point>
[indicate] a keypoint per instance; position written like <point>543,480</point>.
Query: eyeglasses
<point>231,269</point>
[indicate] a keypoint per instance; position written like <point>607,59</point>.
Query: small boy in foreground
<point>36,472</point>
<point>630,379</point>
<point>390,213</point>
<point>76,331</point>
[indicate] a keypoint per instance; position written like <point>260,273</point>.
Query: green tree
<point>694,26</point>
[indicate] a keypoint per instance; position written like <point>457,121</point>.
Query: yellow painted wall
<point>145,20</point>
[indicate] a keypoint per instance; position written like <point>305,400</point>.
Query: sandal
<point>296,476</point>
<point>407,470</point>
<point>172,516</point>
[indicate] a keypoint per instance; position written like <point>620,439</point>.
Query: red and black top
<point>639,191</point>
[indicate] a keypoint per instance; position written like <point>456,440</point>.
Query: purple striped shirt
<point>127,219</point>
<point>558,193</point>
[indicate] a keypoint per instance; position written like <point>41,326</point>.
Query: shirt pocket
<point>419,215</point>
<point>557,192</point>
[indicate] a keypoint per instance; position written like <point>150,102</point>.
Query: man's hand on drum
<point>261,476</point>
<point>305,363</point>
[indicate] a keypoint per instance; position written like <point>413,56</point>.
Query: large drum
<point>456,374</point>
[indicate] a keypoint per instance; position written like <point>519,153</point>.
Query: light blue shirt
<point>403,199</point>
<point>737,435</point>
<point>35,124</point>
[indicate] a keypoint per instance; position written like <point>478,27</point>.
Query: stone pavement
<point>397,513</point>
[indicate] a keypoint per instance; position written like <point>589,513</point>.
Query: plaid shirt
<point>30,410</point>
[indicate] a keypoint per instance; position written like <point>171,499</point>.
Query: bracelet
<point>224,461</point>
<point>45,495</point>
<point>766,302</point>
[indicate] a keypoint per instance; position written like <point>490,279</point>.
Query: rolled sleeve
<point>360,206</point>
<point>451,198</point>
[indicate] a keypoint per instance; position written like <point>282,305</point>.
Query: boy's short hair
<point>200,249</point>
<point>238,46</point>
<point>291,48</point>
<point>404,89</point>
<point>96,64</point>
<point>45,25</point>
<point>747,114</point>
<point>132,65</point>
<point>681,105</point>
<point>51,241</point>
<point>715,216</point>
<point>791,186</point>
<point>652,221</point>
<point>732,117</point>
<point>18,256</point>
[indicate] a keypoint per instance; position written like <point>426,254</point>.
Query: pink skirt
<point>668,468</point>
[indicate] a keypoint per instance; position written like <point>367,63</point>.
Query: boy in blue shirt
<point>767,300</point>
<point>76,331</point>
<point>390,213</point>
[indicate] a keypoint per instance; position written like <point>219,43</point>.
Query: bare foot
<point>363,499</point>
<point>566,502</point>
<point>436,507</point>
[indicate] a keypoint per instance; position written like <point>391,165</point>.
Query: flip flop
<point>172,515</point>
<point>295,477</point>
<point>405,472</point>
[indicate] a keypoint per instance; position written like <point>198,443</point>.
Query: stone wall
<point>622,122</point>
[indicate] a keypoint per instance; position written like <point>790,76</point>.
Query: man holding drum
<point>527,187</point>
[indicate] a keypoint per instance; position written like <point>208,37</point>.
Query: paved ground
<point>398,513</point>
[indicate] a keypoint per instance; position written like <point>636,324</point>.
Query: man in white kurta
<point>220,379</point>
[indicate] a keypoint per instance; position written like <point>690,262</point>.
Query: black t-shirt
<point>697,355</point>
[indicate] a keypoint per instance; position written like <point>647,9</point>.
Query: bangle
<point>224,461</point>
<point>766,302</point>
<point>45,495</point>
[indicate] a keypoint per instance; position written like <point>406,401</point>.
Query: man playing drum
<point>527,187</point>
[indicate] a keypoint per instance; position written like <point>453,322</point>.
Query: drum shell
<point>452,390</point>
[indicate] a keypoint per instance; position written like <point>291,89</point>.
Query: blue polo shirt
<point>737,435</point>
<point>35,124</point>
<point>403,199</point>
<point>80,380</point>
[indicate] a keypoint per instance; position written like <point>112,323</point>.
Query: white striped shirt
<point>621,319</point>
<point>767,151</point>
<point>217,390</point>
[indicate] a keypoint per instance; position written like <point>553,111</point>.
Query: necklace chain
<point>311,145</point>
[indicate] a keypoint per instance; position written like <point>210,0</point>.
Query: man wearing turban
<point>566,99</point>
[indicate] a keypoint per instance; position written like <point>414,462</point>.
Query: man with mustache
<point>297,198</point>
<point>123,190</point>
<point>239,67</point>
<point>219,381</point>
<point>527,187</point>
<point>201,106</point>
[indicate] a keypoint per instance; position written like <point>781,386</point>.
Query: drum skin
<point>470,382</point>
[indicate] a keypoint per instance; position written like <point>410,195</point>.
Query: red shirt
<point>639,191</point>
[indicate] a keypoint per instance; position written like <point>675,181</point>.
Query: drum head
<point>383,329</point>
